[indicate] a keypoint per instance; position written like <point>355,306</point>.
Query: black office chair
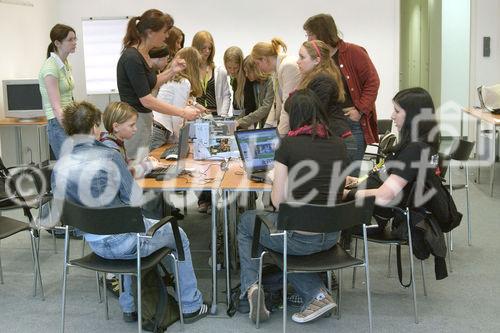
<point>319,219</point>
<point>10,199</point>
<point>384,126</point>
<point>387,238</point>
<point>110,221</point>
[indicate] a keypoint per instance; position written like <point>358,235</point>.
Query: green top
<point>62,72</point>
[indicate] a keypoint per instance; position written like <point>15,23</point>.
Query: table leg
<point>213,309</point>
<point>494,152</point>
<point>39,144</point>
<point>478,134</point>
<point>19,148</point>
<point>226,248</point>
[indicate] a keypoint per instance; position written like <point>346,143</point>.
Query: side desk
<point>492,120</point>
<point>18,125</point>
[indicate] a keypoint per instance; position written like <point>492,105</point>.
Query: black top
<point>249,104</point>
<point>135,78</point>
<point>410,154</point>
<point>348,100</point>
<point>330,155</point>
<point>325,87</point>
<point>207,99</point>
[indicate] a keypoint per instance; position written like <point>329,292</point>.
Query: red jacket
<point>363,83</point>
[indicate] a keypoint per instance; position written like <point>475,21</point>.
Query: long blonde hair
<point>250,67</point>
<point>315,49</point>
<point>200,38</point>
<point>266,49</point>
<point>192,70</point>
<point>235,55</point>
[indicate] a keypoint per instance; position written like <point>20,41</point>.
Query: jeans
<point>307,285</point>
<point>357,133</point>
<point>159,137</point>
<point>124,246</point>
<point>56,136</point>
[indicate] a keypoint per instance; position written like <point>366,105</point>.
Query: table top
<point>484,115</point>
<point>201,175</point>
<point>236,179</point>
<point>17,122</point>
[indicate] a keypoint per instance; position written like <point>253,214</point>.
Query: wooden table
<point>204,176</point>
<point>481,116</point>
<point>14,122</point>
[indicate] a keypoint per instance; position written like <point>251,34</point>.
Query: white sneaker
<point>252,294</point>
<point>320,305</point>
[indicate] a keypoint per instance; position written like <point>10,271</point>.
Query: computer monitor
<point>22,99</point>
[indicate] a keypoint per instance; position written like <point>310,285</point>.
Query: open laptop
<point>181,149</point>
<point>257,149</point>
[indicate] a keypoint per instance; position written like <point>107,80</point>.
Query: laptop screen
<point>257,147</point>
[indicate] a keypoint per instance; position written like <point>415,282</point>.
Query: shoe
<point>203,207</point>
<point>253,293</point>
<point>294,300</point>
<point>192,317</point>
<point>113,285</point>
<point>130,317</point>
<point>320,305</point>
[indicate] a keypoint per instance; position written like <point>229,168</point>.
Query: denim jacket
<point>93,175</point>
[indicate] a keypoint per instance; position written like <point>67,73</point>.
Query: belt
<point>159,126</point>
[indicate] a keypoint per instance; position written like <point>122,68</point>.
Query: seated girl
<point>309,148</point>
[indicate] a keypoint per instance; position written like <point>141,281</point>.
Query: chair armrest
<point>175,229</point>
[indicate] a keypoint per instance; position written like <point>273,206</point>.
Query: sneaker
<point>320,305</point>
<point>253,293</point>
<point>294,300</point>
<point>192,317</point>
<point>130,317</point>
<point>113,285</point>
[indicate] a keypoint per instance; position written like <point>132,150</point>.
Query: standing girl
<point>56,83</point>
<point>286,77</point>
<point>136,77</point>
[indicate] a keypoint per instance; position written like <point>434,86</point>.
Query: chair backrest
<point>316,218</point>
<point>103,221</point>
<point>460,150</point>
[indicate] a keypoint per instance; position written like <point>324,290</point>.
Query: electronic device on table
<point>179,150</point>
<point>22,99</point>
<point>257,148</point>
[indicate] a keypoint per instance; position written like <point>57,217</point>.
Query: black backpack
<point>159,308</point>
<point>442,206</point>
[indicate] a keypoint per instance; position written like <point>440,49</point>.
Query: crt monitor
<point>22,99</point>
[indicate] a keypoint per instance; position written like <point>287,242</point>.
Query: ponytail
<point>277,43</point>
<point>51,48</point>
<point>266,49</point>
<point>138,26</point>
<point>132,35</point>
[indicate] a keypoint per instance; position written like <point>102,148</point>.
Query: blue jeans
<point>124,246</point>
<point>358,153</point>
<point>307,285</point>
<point>56,136</point>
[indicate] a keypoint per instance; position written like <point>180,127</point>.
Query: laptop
<point>257,149</point>
<point>181,149</point>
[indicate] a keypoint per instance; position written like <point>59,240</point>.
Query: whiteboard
<point>102,46</point>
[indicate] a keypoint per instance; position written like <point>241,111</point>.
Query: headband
<point>316,48</point>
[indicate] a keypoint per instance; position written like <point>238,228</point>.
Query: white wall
<point>485,23</point>
<point>372,24</point>
<point>455,64</point>
<point>24,32</point>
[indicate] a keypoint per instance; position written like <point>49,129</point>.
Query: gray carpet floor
<point>466,301</point>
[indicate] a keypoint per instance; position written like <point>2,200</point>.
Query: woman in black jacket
<point>322,76</point>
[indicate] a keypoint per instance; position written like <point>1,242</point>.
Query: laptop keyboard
<point>169,151</point>
<point>158,172</point>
